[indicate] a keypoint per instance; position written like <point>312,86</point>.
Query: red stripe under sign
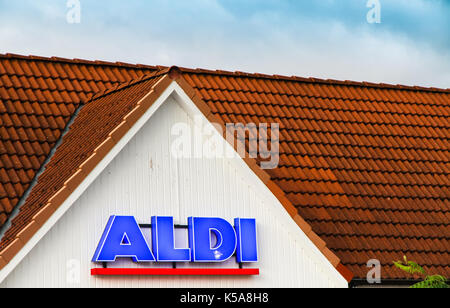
<point>174,271</point>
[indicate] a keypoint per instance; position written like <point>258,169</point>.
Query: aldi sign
<point>211,240</point>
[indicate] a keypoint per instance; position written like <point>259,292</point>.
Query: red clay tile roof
<point>366,165</point>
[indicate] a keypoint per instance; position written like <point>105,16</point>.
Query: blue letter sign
<point>163,237</point>
<point>210,240</point>
<point>247,250</point>
<point>122,238</point>
<point>201,231</point>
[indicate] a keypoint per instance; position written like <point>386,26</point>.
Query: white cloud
<point>210,37</point>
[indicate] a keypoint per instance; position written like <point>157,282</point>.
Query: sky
<point>309,38</point>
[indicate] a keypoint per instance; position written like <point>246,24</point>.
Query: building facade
<point>358,172</point>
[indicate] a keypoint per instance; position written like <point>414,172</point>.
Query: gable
<point>145,180</point>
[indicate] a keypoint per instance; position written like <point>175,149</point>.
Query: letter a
<point>123,238</point>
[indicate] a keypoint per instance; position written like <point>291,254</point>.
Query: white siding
<point>144,180</point>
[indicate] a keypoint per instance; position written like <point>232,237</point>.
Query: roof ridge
<point>79,61</point>
<point>315,80</point>
<point>230,73</point>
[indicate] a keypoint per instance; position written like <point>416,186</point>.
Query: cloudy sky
<point>318,38</point>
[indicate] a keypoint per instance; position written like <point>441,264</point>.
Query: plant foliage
<point>430,282</point>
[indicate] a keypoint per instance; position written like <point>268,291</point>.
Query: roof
<point>364,168</point>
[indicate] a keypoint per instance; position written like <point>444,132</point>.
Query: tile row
<point>377,230</point>
<point>317,90</point>
<point>73,71</point>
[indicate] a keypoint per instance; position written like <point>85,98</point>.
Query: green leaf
<point>432,282</point>
<point>410,267</point>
